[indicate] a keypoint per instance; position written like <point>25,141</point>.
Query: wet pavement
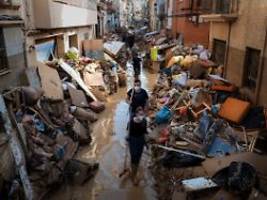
<point>109,148</point>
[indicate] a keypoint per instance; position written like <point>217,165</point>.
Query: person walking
<point>137,97</point>
<point>136,65</point>
<point>130,39</point>
<point>136,141</point>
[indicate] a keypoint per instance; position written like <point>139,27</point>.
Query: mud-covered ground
<point>108,148</point>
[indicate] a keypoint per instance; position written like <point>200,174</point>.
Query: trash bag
<point>255,119</point>
<point>78,172</point>
<point>178,160</point>
<point>31,95</point>
<point>239,178</point>
<point>163,116</point>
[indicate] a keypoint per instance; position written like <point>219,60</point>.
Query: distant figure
<point>136,139</point>
<point>137,97</point>
<point>136,65</point>
<point>130,39</point>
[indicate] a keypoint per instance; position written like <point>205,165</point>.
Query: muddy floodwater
<point>108,148</point>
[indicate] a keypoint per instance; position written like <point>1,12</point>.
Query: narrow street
<point>133,100</point>
<point>108,147</point>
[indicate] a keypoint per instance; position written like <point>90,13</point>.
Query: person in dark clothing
<point>130,40</point>
<point>124,37</point>
<point>136,64</point>
<point>136,140</point>
<point>137,97</point>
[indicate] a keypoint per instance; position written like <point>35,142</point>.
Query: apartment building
<point>186,22</point>
<point>34,30</point>
<point>238,39</point>
<point>55,26</point>
<point>101,18</point>
<point>152,9</point>
<point>12,53</point>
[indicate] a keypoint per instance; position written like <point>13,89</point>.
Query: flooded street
<point>108,148</point>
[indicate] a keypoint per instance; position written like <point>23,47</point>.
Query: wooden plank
<point>76,76</point>
<point>181,151</point>
<point>50,82</point>
<point>16,150</point>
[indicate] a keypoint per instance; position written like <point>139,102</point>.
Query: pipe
<point>27,27</point>
<point>181,151</point>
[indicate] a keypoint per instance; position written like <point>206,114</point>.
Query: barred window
<point>251,67</point>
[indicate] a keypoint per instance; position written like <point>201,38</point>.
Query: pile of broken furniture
<point>45,123</point>
<point>209,138</point>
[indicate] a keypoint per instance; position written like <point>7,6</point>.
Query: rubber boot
<point>134,169</point>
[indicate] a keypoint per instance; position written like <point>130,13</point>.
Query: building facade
<point>101,18</point>
<point>152,9</point>
<point>12,58</point>
<point>53,27</point>
<point>186,22</point>
<point>238,38</point>
<point>36,30</point>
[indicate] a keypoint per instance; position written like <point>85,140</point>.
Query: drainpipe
<point>262,63</point>
<point>27,21</point>
<point>227,49</point>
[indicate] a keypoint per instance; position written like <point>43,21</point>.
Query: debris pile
<point>196,117</point>
<point>50,119</point>
<point>51,131</point>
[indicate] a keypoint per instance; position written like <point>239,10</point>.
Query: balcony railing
<point>88,4</point>
<point>52,14</point>
<point>220,10</point>
<point>10,4</point>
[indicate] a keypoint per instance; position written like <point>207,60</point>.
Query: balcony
<point>221,11</point>
<point>51,14</point>
<point>10,4</point>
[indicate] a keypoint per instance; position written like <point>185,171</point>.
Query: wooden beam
<point>16,150</point>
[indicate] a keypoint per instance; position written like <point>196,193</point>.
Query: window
<point>73,41</point>
<point>199,2</point>
<point>45,49</point>
<point>205,5</point>
<point>218,53</point>
<point>3,54</point>
<point>252,61</point>
<point>223,6</point>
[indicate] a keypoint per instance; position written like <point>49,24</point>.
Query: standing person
<point>136,64</point>
<point>131,39</point>
<point>137,97</point>
<point>136,140</point>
